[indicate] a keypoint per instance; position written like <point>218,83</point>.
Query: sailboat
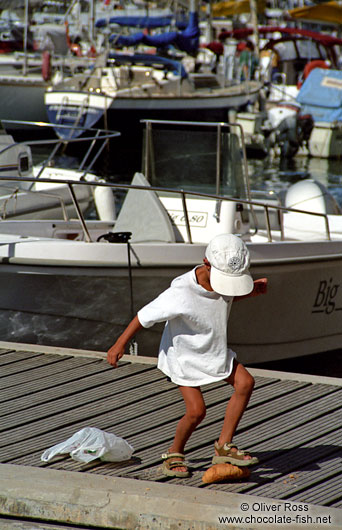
<point>124,87</point>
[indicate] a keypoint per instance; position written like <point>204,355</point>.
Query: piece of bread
<point>220,472</point>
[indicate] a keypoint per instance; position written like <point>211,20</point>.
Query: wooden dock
<point>293,422</point>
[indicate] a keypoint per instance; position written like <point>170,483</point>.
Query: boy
<point>193,349</point>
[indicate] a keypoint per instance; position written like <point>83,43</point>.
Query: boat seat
<point>143,214</point>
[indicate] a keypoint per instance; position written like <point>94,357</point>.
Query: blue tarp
<point>321,95</point>
<point>147,59</point>
<point>187,40</point>
<point>142,22</point>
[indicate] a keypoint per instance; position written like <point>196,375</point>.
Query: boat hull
<point>124,112</point>
<point>88,307</point>
<point>24,100</point>
<point>325,141</point>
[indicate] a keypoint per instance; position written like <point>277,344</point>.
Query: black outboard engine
<point>287,129</point>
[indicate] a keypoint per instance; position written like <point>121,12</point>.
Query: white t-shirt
<point>193,350</point>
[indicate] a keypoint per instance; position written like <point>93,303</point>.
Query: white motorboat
<point>320,96</point>
<point>78,283</point>
<point>310,126</point>
<point>53,193</point>
<point>281,127</point>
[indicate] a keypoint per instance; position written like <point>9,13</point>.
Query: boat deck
<point>293,422</point>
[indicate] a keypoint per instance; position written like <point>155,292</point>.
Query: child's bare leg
<point>243,384</point>
<point>194,414</point>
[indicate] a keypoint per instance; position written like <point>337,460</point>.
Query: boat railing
<point>103,136</point>
<point>16,191</point>
<point>184,194</point>
<point>97,138</point>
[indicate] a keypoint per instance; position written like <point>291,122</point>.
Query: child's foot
<point>174,465</point>
<point>229,453</point>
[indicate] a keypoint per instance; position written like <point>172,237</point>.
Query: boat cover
<point>147,59</point>
<point>187,40</point>
<point>321,95</point>
<point>328,12</point>
<point>148,22</point>
<point>236,7</point>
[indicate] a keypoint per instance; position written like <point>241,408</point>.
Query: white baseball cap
<point>229,260</point>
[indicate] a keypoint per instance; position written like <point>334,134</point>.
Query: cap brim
<point>231,285</point>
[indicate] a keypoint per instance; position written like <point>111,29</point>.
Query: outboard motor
<point>287,128</point>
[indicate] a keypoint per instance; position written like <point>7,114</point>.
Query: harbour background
<point>266,175</point>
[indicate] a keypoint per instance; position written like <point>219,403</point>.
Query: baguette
<point>220,472</point>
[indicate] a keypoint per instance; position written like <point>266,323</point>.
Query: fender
<point>46,65</point>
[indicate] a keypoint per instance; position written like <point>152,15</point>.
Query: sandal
<point>171,461</point>
<point>236,457</point>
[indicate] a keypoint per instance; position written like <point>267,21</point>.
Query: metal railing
<point>182,193</point>
<point>97,137</point>
<point>106,135</point>
<point>17,190</point>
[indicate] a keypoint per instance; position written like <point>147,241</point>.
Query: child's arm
<point>118,349</point>
<point>260,287</point>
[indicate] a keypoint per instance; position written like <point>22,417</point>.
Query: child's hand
<point>114,354</point>
<point>260,286</point>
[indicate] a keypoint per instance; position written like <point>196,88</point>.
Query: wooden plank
<point>163,434</point>
<point>85,411</point>
<point>325,493</point>
<point>315,476</point>
<point>42,433</point>
<point>3,351</point>
<point>73,369</point>
<point>251,417</point>
<point>293,427</point>
<point>15,357</point>
<point>16,379</point>
<point>131,405</point>
<point>208,434</point>
<point>311,433</point>
<point>53,398</point>
<point>29,363</point>
<point>265,437</point>
<point>291,478</point>
<point>16,397</point>
<point>305,462</point>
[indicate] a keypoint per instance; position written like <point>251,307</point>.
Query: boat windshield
<point>201,157</point>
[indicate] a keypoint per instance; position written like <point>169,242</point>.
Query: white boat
<point>143,87</point>
<point>127,86</point>
<point>43,56</point>
<point>24,78</point>
<point>69,283</point>
<point>53,193</point>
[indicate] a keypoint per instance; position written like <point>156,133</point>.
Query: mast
<point>254,21</point>
<point>92,21</point>
<point>26,24</point>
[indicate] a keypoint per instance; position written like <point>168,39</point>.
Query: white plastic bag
<point>90,443</point>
